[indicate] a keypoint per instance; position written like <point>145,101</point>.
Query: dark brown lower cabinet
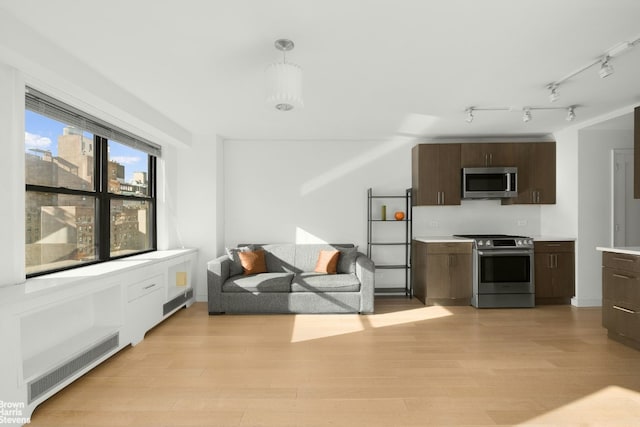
<point>554,272</point>
<point>442,272</point>
<point>621,297</point>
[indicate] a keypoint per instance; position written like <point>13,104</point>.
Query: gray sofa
<point>290,284</point>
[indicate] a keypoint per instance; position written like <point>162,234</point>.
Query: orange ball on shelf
<point>399,216</point>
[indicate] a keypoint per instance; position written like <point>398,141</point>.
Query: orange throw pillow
<point>327,262</point>
<point>253,262</point>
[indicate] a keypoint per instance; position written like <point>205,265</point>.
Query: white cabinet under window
<point>66,323</point>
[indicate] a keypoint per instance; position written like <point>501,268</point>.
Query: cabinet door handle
<point>549,245</point>
<point>149,286</point>
<point>625,310</point>
<point>622,276</point>
<point>623,259</point>
<point>555,260</point>
<point>442,198</point>
<point>490,159</point>
<point>550,261</point>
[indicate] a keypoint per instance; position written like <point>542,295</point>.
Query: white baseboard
<point>586,302</point>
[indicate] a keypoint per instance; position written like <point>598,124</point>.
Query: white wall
<point>308,191</point>
<point>561,219</point>
<point>594,206</point>
<point>316,191</point>
<point>198,217</point>
<point>28,58</point>
<point>12,268</point>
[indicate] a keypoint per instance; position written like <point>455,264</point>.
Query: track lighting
<point>469,112</point>
<point>527,114</point>
<point>605,70</point>
<point>605,67</point>
<point>553,92</point>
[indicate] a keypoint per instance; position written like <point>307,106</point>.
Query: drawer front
<point>449,248</point>
<point>621,320</point>
<point>145,287</point>
<point>621,261</point>
<point>621,288</point>
<point>549,246</point>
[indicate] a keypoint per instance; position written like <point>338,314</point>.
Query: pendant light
<point>284,81</point>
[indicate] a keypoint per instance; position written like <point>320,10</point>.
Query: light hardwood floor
<point>406,365</point>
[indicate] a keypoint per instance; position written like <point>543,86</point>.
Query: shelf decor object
<point>387,243</point>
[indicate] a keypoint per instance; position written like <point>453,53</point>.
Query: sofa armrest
<point>217,274</point>
<point>366,273</point>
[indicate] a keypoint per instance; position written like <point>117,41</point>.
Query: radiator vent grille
<point>176,302</point>
<point>56,376</point>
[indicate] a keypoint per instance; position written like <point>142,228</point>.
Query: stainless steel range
<point>502,271</point>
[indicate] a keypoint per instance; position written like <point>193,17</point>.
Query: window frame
<point>103,198</point>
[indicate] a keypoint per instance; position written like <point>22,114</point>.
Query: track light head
<point>526,116</point>
<point>553,92</point>
<point>571,113</point>
<point>606,69</point>
<point>469,112</point>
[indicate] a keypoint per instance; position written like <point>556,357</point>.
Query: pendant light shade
<point>284,81</point>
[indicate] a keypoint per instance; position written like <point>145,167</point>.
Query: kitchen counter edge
<point>443,239</point>
<point>453,239</point>
<point>629,250</point>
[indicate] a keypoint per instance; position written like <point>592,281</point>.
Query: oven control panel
<point>523,243</point>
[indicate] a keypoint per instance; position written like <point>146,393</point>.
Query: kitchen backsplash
<point>476,216</point>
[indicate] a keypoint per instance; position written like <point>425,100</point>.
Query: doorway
<point>625,215</point>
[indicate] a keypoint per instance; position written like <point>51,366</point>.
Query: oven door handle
<point>497,252</point>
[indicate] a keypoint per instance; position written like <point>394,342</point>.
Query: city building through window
<point>90,188</point>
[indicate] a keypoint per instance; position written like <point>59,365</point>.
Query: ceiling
<point>371,69</point>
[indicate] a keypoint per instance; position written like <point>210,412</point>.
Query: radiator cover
<point>44,383</point>
<point>168,307</point>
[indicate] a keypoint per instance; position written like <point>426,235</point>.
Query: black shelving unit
<point>403,241</point>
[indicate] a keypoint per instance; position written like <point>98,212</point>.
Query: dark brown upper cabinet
<point>435,174</point>
<point>477,155</point>
<point>536,163</point>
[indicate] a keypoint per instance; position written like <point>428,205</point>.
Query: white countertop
<point>449,239</point>
<point>554,239</point>
<point>442,239</point>
<point>631,250</point>
<point>84,277</point>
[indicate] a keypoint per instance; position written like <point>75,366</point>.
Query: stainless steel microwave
<point>489,183</point>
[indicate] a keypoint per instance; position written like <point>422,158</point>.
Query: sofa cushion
<point>327,262</point>
<point>263,282</point>
<point>347,260</point>
<point>236,266</point>
<point>318,282</point>
<point>307,254</point>
<point>280,257</point>
<point>253,262</point>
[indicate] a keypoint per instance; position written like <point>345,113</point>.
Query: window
<point>90,188</point>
